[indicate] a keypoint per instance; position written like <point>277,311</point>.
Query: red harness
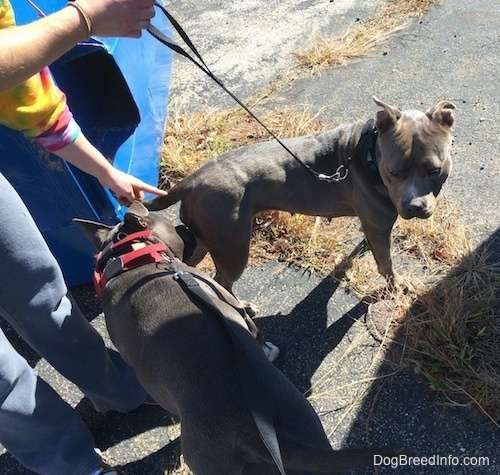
<point>134,250</point>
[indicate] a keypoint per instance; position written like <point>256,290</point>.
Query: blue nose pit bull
<point>239,414</point>
<point>400,171</point>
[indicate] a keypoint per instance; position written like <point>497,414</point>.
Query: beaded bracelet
<point>83,13</point>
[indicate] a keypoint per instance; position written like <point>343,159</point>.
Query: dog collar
<point>128,252</point>
<point>365,151</point>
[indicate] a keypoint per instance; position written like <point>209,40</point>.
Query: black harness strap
<point>341,172</point>
<point>250,381</point>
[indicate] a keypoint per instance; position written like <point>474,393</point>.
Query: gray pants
<point>37,427</point>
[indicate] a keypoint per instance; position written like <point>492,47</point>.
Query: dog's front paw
<point>395,286</point>
<point>271,351</point>
<point>396,283</point>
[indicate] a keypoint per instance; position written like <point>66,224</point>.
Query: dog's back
<point>185,359</point>
<point>196,362</point>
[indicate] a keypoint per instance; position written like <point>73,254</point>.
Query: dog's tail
<point>318,460</point>
<point>174,195</point>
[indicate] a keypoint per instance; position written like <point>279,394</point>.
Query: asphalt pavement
<point>326,345</point>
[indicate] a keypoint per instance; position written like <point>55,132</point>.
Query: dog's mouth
<point>416,213</point>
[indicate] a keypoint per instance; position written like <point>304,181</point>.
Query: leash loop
<point>339,175</point>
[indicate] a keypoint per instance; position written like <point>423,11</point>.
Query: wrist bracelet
<point>84,15</point>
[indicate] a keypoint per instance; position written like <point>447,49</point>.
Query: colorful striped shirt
<point>37,107</point>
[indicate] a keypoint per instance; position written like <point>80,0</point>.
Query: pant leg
<point>37,427</point>
<point>34,300</point>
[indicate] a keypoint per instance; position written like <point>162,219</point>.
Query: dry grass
<point>455,334</point>
<point>191,140</point>
<point>428,247</point>
<point>365,36</point>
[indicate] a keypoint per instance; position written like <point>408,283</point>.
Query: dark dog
<point>200,362</point>
<point>400,171</point>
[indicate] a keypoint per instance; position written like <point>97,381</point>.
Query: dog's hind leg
<point>199,252</point>
<point>228,275</point>
<point>230,262</point>
<point>230,255</point>
<point>209,454</point>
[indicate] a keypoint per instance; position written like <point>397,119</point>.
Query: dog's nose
<point>417,208</point>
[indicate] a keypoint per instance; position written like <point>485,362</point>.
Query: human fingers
<point>136,192</point>
<point>118,17</point>
<point>142,187</point>
<point>143,22</point>
<point>147,12</point>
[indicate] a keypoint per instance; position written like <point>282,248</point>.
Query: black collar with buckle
<point>365,152</point>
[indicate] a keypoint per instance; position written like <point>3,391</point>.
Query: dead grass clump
<point>191,140</point>
<point>358,41</point>
<point>310,242</point>
<point>426,249</point>
<point>362,38</point>
<point>441,241</point>
<point>455,334</point>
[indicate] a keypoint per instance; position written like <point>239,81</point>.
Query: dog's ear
<point>138,209</point>
<point>442,113</point>
<point>134,218</point>
<point>97,233</point>
<point>388,117</point>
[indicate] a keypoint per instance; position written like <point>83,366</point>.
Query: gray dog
<point>393,165</point>
<point>197,359</point>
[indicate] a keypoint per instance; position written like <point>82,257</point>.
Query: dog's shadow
<point>311,330</point>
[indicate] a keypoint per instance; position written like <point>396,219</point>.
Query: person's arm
<point>82,154</point>
<point>36,107</point>
<point>58,32</point>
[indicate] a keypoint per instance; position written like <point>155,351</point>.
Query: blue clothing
<point>38,427</point>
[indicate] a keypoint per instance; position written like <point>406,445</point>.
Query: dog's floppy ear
<point>138,209</point>
<point>134,217</point>
<point>442,113</point>
<point>97,233</point>
<point>388,117</point>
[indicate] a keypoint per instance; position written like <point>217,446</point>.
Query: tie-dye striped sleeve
<point>37,107</point>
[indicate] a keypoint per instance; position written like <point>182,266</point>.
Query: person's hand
<point>128,188</point>
<point>118,17</point>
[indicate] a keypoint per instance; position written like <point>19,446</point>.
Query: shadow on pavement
<point>304,336</point>
<point>405,410</point>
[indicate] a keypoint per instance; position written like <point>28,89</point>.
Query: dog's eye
<point>394,172</point>
<point>435,171</point>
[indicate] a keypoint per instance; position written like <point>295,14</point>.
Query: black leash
<point>341,172</point>
<point>252,387</point>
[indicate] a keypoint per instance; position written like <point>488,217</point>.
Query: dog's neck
<point>365,151</point>
<point>128,251</point>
